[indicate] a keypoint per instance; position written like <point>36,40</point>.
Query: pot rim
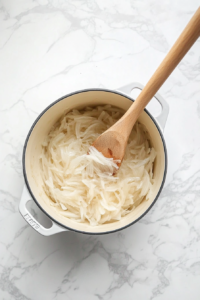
<point>24,155</point>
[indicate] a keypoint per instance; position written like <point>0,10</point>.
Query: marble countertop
<point>51,48</point>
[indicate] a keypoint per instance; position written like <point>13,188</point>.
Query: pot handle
<point>32,221</point>
<point>162,118</point>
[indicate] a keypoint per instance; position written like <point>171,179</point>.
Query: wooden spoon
<point>112,143</point>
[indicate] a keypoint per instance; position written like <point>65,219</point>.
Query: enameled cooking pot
<point>33,147</point>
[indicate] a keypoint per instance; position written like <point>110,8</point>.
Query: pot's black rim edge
<point>26,179</point>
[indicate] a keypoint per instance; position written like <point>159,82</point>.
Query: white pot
<point>33,147</point>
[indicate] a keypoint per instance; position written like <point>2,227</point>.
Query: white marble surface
<point>50,48</point>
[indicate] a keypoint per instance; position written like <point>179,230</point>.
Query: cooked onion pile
<point>81,186</point>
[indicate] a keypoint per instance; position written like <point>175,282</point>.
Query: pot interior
<point>42,127</point>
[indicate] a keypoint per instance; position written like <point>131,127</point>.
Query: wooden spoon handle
<point>177,52</point>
